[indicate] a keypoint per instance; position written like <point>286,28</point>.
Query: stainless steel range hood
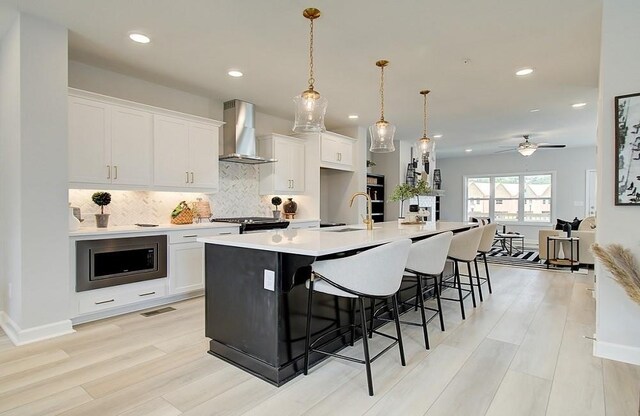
<point>238,143</point>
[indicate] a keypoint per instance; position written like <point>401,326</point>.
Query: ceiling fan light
<point>526,150</point>
<point>382,133</point>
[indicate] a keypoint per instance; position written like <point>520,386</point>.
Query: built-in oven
<point>118,261</point>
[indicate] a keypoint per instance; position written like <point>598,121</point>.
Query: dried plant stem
<point>622,265</point>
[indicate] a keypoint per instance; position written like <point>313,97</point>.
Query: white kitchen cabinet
<point>336,151</point>
<point>108,144</point>
<point>185,154</point>
<point>296,225</point>
<point>186,258</point>
<point>287,174</point>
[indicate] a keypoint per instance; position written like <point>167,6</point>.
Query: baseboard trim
<point>617,352</point>
<point>134,307</point>
<point>21,336</point>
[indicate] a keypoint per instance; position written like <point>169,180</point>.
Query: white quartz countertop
<point>127,229</point>
<point>323,241</point>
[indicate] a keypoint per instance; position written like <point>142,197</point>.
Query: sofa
<point>586,232</point>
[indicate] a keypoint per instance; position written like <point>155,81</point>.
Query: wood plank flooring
<point>522,351</point>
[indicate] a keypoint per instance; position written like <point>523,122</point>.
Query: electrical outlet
<point>270,280</point>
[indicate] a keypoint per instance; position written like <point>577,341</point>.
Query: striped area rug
<point>528,259</point>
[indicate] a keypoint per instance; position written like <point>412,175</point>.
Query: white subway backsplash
<point>238,197</point>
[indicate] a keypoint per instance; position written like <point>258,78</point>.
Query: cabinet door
<point>330,149</point>
<point>131,144</point>
<point>296,166</point>
<point>203,156</point>
<point>282,168</point>
<point>89,144</point>
<point>186,267</point>
<point>345,152</point>
<point>170,153</point>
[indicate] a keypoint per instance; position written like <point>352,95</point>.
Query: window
<point>517,198</point>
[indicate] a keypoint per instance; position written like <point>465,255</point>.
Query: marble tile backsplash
<point>239,196</point>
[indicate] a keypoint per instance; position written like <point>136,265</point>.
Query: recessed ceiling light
<point>524,71</point>
<point>235,74</point>
<point>437,136</point>
<point>578,105</point>
<point>468,150</point>
<point>353,116</point>
<point>534,110</point>
<point>139,37</point>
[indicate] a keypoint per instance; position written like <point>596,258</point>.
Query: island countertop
<point>323,241</point>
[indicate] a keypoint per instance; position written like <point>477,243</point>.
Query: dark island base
<point>260,330</point>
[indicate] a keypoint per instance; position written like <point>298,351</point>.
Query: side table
<point>574,255</point>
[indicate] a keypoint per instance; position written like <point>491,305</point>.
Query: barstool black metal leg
<point>308,334</point>
<point>475,262</point>
<point>437,290</point>
<point>473,292</point>
<point>425,333</point>
<point>352,316</point>
<point>365,346</point>
<point>486,267</point>
<point>396,317</point>
<point>415,305</point>
<point>457,280</point>
<point>372,303</point>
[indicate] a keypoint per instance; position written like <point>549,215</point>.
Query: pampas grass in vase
<point>622,265</point>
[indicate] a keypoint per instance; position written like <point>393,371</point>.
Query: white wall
<point>34,144</point>
<point>570,165</point>
<point>617,317</point>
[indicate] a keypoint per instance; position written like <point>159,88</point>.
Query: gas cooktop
<point>255,224</point>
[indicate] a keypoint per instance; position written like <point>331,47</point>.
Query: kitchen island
<point>256,297</point>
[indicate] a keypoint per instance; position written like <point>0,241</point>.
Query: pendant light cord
<point>311,80</point>
<point>425,116</point>
<point>382,93</point>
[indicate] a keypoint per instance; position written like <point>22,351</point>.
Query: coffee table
<point>507,241</point>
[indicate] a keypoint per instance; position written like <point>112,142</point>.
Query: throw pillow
<point>574,224</point>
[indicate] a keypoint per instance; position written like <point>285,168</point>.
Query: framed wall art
<point>627,184</point>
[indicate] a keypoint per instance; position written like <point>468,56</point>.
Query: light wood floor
<point>522,352</point>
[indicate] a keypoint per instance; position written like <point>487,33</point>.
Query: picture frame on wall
<point>627,185</point>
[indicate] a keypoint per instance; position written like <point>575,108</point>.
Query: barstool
<point>375,273</point>
<point>486,242</point>
<point>464,247</point>
<point>426,261</point>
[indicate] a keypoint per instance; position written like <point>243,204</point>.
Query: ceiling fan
<point>527,148</point>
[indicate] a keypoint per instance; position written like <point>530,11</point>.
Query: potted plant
<point>101,199</point>
<point>276,201</point>
<point>401,193</point>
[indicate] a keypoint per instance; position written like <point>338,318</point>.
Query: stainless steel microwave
<point>118,261</point>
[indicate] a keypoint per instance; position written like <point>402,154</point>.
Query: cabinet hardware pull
<point>187,180</point>
<point>293,183</point>
<point>108,172</point>
<point>104,301</point>
<point>224,234</point>
<point>190,236</point>
<point>337,156</point>
<point>147,294</point>
<point>115,172</point>
<point>191,177</point>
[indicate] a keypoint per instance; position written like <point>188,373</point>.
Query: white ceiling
<point>478,105</point>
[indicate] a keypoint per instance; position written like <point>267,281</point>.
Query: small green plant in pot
<point>101,199</point>
<point>400,194</point>
<point>276,201</point>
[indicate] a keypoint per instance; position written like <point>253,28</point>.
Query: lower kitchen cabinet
<point>186,267</point>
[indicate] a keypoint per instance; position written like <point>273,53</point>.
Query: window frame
<point>521,197</point>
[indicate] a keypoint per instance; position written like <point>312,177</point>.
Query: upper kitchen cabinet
<point>287,174</point>
<point>108,144</point>
<point>185,154</point>
<point>336,151</point>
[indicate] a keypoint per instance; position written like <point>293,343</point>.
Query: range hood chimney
<point>238,143</point>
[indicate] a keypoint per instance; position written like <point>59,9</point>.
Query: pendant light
<point>382,131</point>
<point>425,144</point>
<point>310,106</point>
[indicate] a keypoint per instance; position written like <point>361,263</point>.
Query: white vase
<point>74,223</point>
<point>561,255</point>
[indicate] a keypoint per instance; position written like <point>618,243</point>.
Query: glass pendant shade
<point>425,145</point>
<point>382,133</point>
<point>310,110</point>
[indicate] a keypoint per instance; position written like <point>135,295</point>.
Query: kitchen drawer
<point>305,224</point>
<point>190,236</point>
<point>102,299</point>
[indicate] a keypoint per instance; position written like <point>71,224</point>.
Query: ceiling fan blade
<point>551,146</point>
<point>504,151</point>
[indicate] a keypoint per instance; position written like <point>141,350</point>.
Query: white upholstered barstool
<point>375,273</point>
<point>486,242</point>
<point>426,261</point>
<point>464,247</point>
